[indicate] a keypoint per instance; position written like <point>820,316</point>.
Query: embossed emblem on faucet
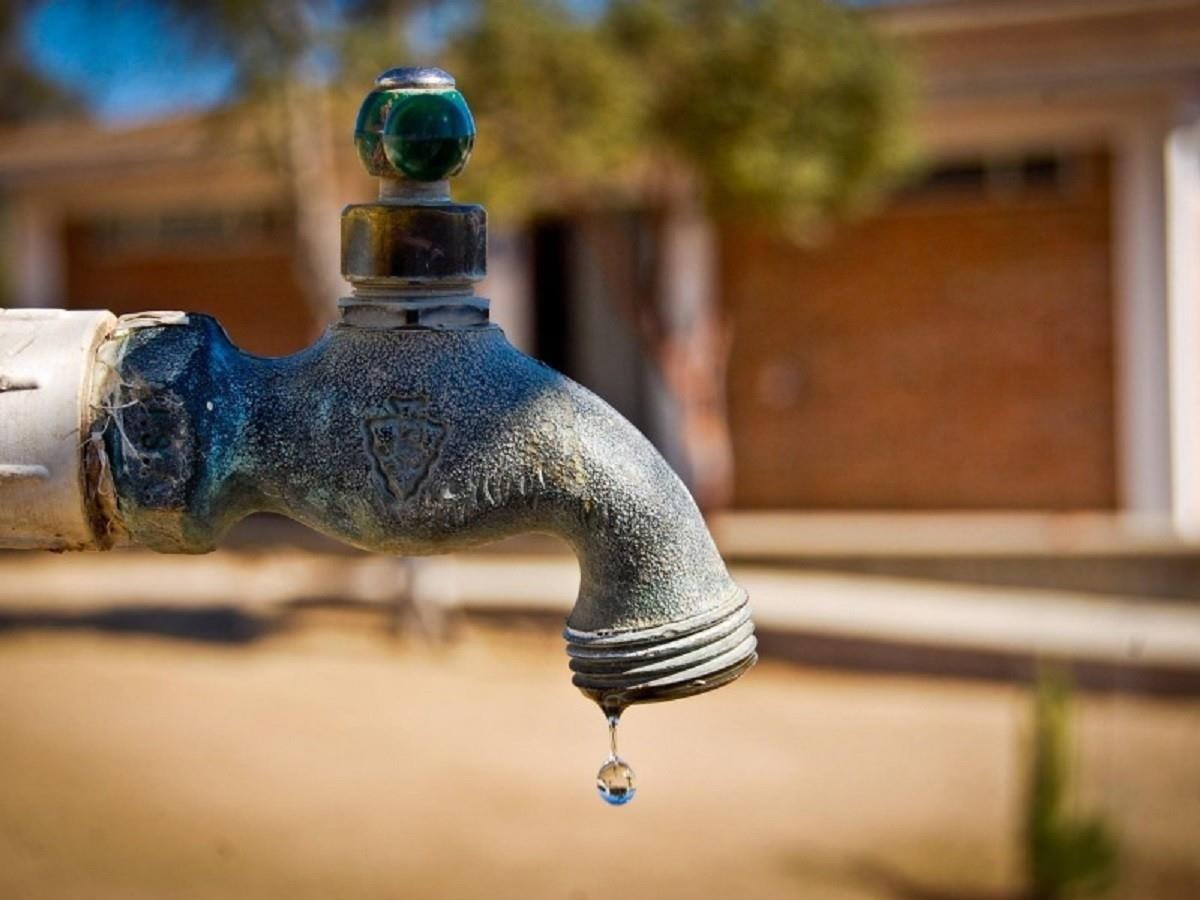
<point>403,441</point>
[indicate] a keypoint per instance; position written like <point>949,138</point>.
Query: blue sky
<point>131,66</point>
<point>128,65</point>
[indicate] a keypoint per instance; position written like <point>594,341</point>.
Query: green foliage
<point>557,111</point>
<point>1068,855</point>
<point>788,109</point>
<point>781,109</point>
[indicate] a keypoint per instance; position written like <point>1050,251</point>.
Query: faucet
<point>411,427</point>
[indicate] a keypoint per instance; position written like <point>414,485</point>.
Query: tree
<point>27,94</point>
<point>281,51</point>
<point>781,112</point>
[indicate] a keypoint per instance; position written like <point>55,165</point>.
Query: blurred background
<point>906,292</point>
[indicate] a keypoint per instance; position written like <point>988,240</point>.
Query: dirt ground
<point>335,761</point>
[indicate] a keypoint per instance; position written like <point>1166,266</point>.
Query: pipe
<point>414,427</point>
<point>46,383</point>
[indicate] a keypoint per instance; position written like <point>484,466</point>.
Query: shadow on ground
<point>898,885</point>
<point>210,624</point>
<point>231,624</point>
<point>881,879</point>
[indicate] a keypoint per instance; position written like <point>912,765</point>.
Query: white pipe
<point>47,360</point>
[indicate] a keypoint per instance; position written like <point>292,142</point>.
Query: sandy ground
<point>334,761</point>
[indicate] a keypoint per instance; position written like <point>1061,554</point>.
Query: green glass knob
<point>428,135</point>
<point>368,130</point>
<point>414,124</point>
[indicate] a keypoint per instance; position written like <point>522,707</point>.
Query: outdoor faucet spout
<point>414,427</point>
<point>418,441</point>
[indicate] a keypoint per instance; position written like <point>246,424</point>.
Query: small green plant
<point>1068,855</point>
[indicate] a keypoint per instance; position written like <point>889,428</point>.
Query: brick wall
<point>246,276</point>
<point>954,351</point>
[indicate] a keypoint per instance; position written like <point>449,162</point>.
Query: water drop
<point>615,781</point>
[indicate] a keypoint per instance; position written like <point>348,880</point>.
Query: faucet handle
<point>415,125</point>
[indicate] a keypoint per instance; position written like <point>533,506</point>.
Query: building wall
<point>954,351</point>
<point>237,264</point>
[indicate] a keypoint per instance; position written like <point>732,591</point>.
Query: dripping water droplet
<point>615,781</point>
